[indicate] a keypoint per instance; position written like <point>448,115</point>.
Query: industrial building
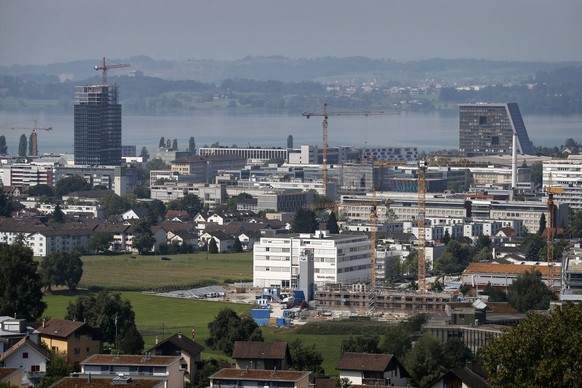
<point>488,129</point>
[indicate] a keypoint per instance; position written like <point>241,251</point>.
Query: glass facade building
<point>487,129</point>
<point>97,126</point>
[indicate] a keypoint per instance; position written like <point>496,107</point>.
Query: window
<point>25,355</point>
<point>77,351</point>
<point>35,368</point>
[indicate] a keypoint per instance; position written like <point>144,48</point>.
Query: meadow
<point>159,317</point>
<point>143,273</point>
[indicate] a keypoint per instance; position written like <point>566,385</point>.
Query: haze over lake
<point>427,131</point>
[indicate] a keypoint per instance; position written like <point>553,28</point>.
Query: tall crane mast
<point>373,251</point>
<point>551,231</point>
<point>422,165</point>
<point>104,67</point>
<point>33,136</point>
<point>325,114</point>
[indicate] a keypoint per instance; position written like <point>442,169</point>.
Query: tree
<point>332,225</point>
<point>396,340</point>
<point>113,315</point>
<point>425,361</point>
<point>446,237</point>
<point>58,215</point>
<point>191,144</point>
<point>576,224</point>
<point>5,204</point>
<point>483,242</point>
<point>455,258</point>
<point>532,245</point>
<point>365,343</point>
<point>114,204</point>
<point>100,242</point>
<point>305,221</point>
<point>548,347</point>
<point>143,238</point>
<point>190,203</point>
<point>3,147</point>
<point>57,368</point>
<point>529,292</point>
<point>228,327</point>
<point>41,191</point>
<point>237,246</point>
<point>144,154</point>
<point>494,293</point>
<point>162,142</point>
<point>70,184</point>
<point>456,353</point>
<point>542,226</point>
<point>305,357</point>
<point>22,146</point>
<point>132,341</point>
<point>20,283</point>
<point>62,269</point>
<point>212,246</point>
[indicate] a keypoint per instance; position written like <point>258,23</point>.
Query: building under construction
<point>356,297</point>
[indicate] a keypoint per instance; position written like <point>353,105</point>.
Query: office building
<point>97,126</point>
<point>565,174</point>
<point>488,129</point>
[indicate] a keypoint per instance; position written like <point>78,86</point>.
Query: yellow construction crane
<point>33,136</point>
<point>374,242</point>
<point>325,114</point>
<point>422,166</point>
<point>104,67</point>
<point>551,231</point>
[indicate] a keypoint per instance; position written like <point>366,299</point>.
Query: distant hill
<point>280,68</point>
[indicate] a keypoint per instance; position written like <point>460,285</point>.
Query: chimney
<point>180,335</point>
<point>157,340</point>
<point>44,322</point>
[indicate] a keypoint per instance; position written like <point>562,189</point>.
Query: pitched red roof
<point>25,341</point>
<point>259,374</point>
<point>62,328</point>
<point>125,359</point>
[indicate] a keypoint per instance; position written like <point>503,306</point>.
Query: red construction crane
<point>325,114</point>
<point>104,67</point>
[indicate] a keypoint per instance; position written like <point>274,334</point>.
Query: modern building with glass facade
<point>487,129</point>
<point>97,126</point>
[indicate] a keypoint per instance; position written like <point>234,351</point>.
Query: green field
<point>140,273</point>
<point>160,317</point>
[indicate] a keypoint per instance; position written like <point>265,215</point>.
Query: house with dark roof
<point>261,355</point>
<point>12,376</point>
<point>76,340</point>
<point>370,369</point>
<point>259,378</point>
<point>180,345</point>
<point>468,376</point>
<point>28,356</point>
<point>224,242</point>
<point>134,368</point>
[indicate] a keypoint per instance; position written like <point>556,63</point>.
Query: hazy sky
<point>50,31</point>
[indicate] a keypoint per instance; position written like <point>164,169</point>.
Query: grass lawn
<point>151,273</point>
<point>162,316</point>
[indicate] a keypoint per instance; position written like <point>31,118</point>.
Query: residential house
<point>76,340</point>
<point>261,355</point>
<point>182,237</point>
<point>180,345</point>
<point>259,378</point>
<point>370,369</point>
<point>90,381</point>
<point>14,377</point>
<point>165,368</point>
<point>138,213</point>
<point>224,242</point>
<point>28,356</point>
<point>13,330</point>
<point>468,376</point>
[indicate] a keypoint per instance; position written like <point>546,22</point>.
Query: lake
<point>427,131</point>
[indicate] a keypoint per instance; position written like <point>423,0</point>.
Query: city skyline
<point>65,30</point>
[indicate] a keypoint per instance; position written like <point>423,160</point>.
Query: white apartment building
<point>566,174</point>
<point>210,194</point>
<point>341,258</point>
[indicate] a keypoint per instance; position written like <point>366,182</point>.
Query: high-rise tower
<point>97,126</point>
<point>488,129</point>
